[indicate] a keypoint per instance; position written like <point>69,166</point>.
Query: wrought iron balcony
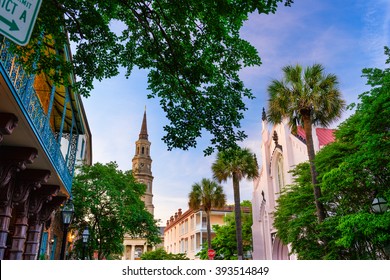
<point>22,88</point>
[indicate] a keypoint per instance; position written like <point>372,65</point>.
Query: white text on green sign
<point>17,18</point>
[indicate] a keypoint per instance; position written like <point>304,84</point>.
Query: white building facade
<point>186,232</point>
<point>281,150</point>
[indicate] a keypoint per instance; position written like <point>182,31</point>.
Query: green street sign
<point>17,19</point>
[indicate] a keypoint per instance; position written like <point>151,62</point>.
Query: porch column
<point>19,236</point>
<point>42,217</point>
<point>5,217</point>
<point>132,254</point>
<point>32,240</point>
<point>12,160</point>
<point>37,199</point>
<point>26,182</point>
<point>145,248</point>
<point>8,122</point>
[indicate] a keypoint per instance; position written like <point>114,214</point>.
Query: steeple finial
<point>263,115</point>
<point>144,128</point>
<point>275,138</point>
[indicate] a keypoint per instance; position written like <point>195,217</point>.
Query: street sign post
<point>17,19</point>
<point>211,254</point>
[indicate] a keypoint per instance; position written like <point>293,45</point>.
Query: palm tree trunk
<point>237,213</point>
<point>311,154</point>
<point>208,229</point>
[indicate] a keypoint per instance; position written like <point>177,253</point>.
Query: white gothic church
<point>281,150</point>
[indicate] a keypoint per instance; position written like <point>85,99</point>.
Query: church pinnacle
<point>144,128</point>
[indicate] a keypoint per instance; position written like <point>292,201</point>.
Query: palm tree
<point>208,194</point>
<point>306,98</point>
<point>236,164</point>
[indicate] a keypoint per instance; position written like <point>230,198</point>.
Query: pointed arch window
<point>280,173</point>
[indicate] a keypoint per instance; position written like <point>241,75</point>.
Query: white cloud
<point>376,32</point>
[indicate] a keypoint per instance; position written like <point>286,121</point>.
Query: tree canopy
<point>225,242</point>
<point>192,49</point>
<point>161,254</point>
<point>108,201</point>
<point>352,171</point>
<point>207,194</point>
<point>306,97</point>
<point>236,164</point>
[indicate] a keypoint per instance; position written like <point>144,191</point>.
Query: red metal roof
<point>325,135</point>
<point>301,132</point>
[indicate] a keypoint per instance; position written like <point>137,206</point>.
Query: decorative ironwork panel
<point>72,153</point>
<point>66,136</point>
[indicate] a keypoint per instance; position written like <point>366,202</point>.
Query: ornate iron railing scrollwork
<point>28,98</point>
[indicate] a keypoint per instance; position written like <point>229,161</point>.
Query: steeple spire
<point>144,128</point>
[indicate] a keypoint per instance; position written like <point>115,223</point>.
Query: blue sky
<point>343,35</point>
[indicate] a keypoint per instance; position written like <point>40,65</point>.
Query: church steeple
<point>142,164</point>
<point>144,128</point>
